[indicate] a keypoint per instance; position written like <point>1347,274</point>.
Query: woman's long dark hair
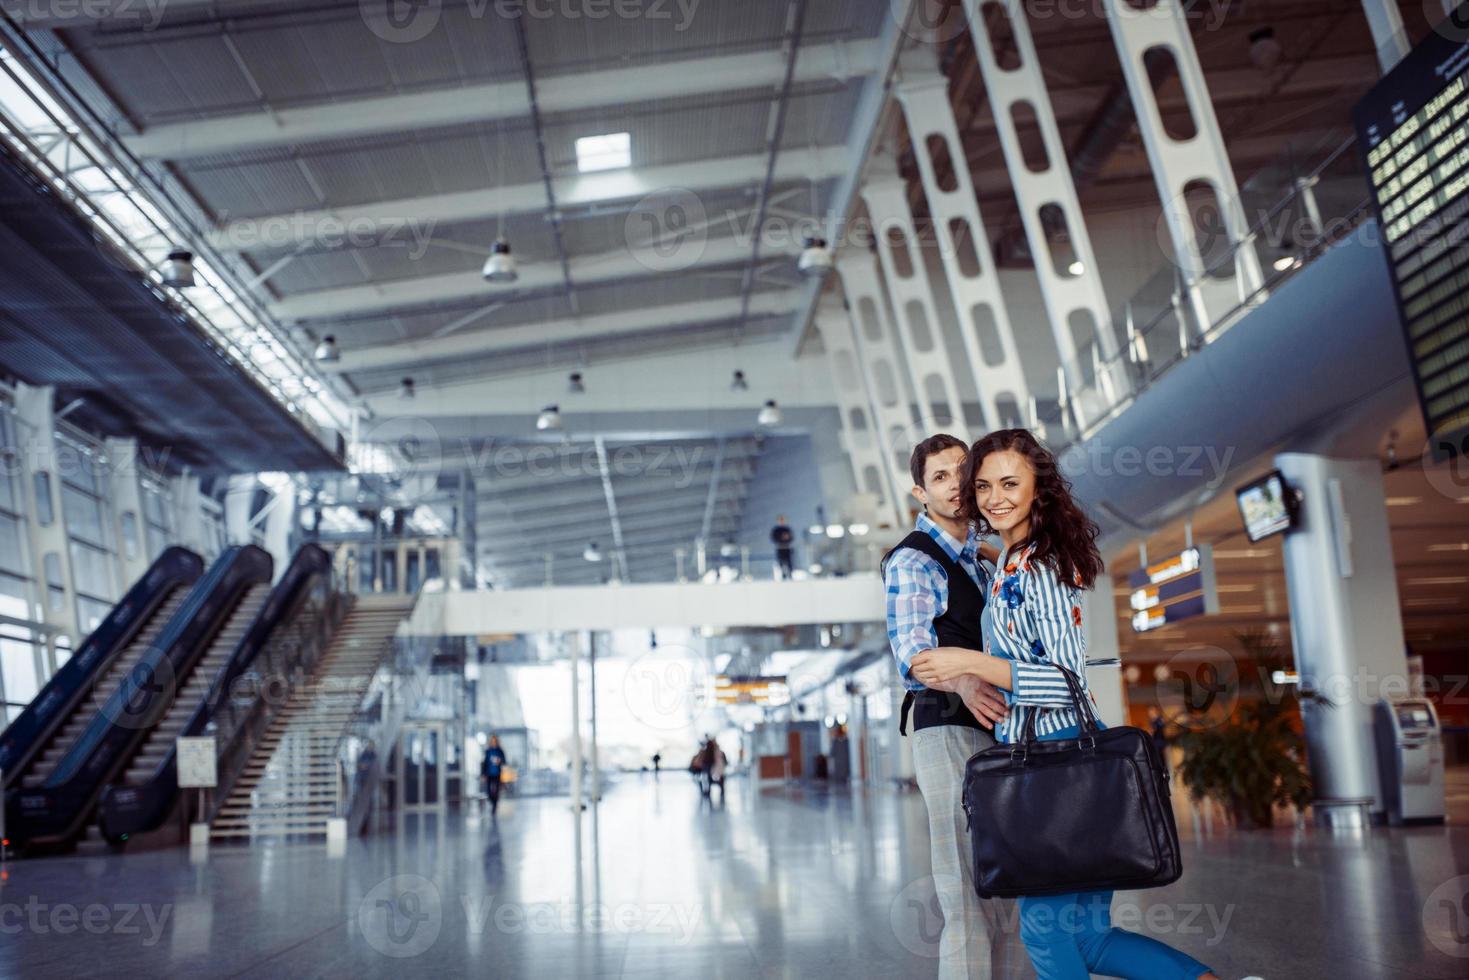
<point>1063,536</point>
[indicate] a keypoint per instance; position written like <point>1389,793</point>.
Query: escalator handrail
<point>201,616</point>
<point>310,562</point>
<point>175,568</point>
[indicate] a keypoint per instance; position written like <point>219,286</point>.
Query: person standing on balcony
<point>784,540</point>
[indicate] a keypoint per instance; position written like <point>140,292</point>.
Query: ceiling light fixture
<point>739,383</point>
<point>178,269</point>
<point>550,418</point>
<point>575,384</point>
<point>769,416</point>
<point>405,390</point>
<point>500,266</point>
<point>327,351</point>
<point>592,552</point>
<point>1076,268</point>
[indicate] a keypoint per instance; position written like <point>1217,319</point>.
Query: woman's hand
<point>983,701</point>
<point>943,665</point>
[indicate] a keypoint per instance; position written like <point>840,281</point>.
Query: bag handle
<point>1086,719</point>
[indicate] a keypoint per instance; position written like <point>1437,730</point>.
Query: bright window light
<point>606,152</point>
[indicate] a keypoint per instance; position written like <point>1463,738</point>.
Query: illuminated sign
<point>1179,587</point>
<point>737,689</point>
<point>1413,130</point>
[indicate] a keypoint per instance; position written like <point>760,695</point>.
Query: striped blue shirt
<point>1033,619</point>
<point>918,593</point>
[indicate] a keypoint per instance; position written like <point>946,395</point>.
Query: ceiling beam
<point>574,192</point>
<point>612,88</point>
<point>491,339</point>
<point>624,263</point>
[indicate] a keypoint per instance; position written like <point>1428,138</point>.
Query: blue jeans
<point>1071,936</point>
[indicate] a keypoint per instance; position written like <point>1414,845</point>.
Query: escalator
<point>56,714</point>
<point>60,787</point>
<point>243,665</point>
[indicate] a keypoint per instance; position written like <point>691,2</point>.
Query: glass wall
<point>90,539</point>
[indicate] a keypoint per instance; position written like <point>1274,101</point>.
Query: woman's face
<point>1004,491</point>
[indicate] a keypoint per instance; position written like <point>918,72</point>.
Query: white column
<point>1099,623</point>
<point>188,512</point>
<point>238,496</point>
<point>860,432</point>
<point>127,498</point>
<point>278,525</point>
<point>924,96</point>
<point>1346,620</point>
<point>882,368</point>
<point>1067,294</point>
<point>1178,163</point>
<point>1386,23</point>
<point>41,476</point>
<point>572,642</point>
<point>919,328</point>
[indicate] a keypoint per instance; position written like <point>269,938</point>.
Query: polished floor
<point>778,882</point>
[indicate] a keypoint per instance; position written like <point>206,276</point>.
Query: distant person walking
<point>491,768</point>
<point>784,540</point>
<point>657,761</point>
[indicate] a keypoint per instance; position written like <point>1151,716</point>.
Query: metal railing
<point>280,671</point>
<point>1295,215</point>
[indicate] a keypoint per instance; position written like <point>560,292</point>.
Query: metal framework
<point>960,228</point>
<point>1178,164</point>
<point>1077,290</point>
<point>905,272</point>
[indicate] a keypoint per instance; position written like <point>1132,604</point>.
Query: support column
<point>130,520</point>
<point>1346,619</point>
<point>882,369</point>
<point>238,496</point>
<point>1385,21</point>
<point>1074,294</point>
<point>1178,163</point>
<point>964,246</point>
<point>860,432</point>
<point>573,647</point>
<point>1099,624</point>
<point>931,371</point>
<point>188,512</point>
<point>278,526</point>
<point>36,434</point>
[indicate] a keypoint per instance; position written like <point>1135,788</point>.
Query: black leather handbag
<point>1090,813</point>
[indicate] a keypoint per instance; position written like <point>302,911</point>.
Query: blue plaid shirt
<point>918,593</point>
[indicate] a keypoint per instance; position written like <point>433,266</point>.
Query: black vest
<point>957,627</point>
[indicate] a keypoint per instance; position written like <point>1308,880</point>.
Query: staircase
<point>290,785</point>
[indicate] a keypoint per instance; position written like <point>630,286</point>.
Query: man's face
<point>940,490</point>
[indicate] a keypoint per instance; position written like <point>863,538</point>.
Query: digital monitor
<point>1414,716</point>
<point>1267,506</point>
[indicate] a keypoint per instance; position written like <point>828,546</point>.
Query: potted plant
<point>1254,760</point>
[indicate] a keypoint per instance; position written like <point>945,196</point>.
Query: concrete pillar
<point>1346,619</point>
<point>41,475</point>
<point>1385,21</point>
<point>1099,623</point>
<point>919,329</point>
<point>1179,164</point>
<point>974,285</point>
<point>860,432</point>
<point>238,497</point>
<point>278,526</point>
<point>188,512</point>
<point>130,519</point>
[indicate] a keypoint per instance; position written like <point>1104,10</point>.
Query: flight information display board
<point>1413,128</point>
